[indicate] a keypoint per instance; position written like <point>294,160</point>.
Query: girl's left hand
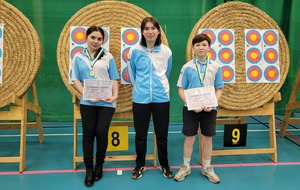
<point>109,99</point>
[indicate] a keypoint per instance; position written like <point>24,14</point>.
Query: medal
<point>92,73</point>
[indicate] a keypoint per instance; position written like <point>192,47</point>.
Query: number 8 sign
<point>117,138</point>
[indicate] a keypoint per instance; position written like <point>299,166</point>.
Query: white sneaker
<point>184,171</point>
<point>210,174</point>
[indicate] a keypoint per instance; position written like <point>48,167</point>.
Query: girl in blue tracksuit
<point>149,67</point>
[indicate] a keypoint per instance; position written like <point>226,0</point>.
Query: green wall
<point>177,17</point>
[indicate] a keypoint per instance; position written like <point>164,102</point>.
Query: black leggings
<point>95,123</point>
<point>161,116</point>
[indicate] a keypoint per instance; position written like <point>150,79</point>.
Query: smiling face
<point>150,33</point>
<point>94,41</point>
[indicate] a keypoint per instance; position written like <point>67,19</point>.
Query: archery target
<point>78,35</point>
<point>254,73</point>
<point>125,54</point>
<point>125,75</point>
<point>212,54</point>
<point>271,55</point>
<point>226,55</point>
<point>0,54</point>
<point>253,37</point>
<point>225,37</point>
<point>271,74</point>
<point>253,55</point>
<point>270,37</point>
<point>75,50</point>
<point>227,74</point>
<point>211,34</point>
<point>222,50</point>
<point>130,36</point>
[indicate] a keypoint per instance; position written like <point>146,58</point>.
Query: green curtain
<point>177,17</point>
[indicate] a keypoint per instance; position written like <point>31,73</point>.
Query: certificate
<point>93,89</point>
<point>200,97</point>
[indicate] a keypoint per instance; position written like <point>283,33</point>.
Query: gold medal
<point>92,73</point>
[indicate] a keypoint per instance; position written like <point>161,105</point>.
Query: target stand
<point>18,112</point>
<point>292,105</point>
<point>239,117</point>
<point>77,158</point>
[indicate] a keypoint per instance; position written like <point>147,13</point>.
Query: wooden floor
<point>50,165</point>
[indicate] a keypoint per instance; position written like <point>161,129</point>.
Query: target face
<point>0,53</point>
<point>1,33</point>
<point>253,37</point>
<point>271,55</point>
<point>225,37</point>
<point>210,34</point>
<point>271,73</point>
<point>253,55</point>
<point>106,36</point>
<point>125,75</point>
<point>125,54</point>
<point>270,37</point>
<point>226,55</point>
<point>75,50</point>
<point>254,73</point>
<point>227,74</point>
<point>212,54</point>
<point>130,36</point>
<point>78,35</point>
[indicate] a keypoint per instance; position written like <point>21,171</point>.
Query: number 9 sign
<point>235,135</point>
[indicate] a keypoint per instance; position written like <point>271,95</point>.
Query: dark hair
<point>200,38</point>
<point>156,25</point>
<point>98,29</point>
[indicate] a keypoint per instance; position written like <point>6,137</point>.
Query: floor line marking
<point>154,168</point>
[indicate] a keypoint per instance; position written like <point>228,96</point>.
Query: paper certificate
<point>93,89</point>
<point>199,97</point>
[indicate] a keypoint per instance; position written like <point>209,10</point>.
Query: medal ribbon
<point>89,56</point>
<point>198,71</point>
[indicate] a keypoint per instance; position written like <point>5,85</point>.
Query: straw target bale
<point>21,54</point>
<point>240,16</point>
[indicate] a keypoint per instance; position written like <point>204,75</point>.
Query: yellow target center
<point>271,55</point>
<point>253,37</point>
<point>254,55</point>
<point>225,37</point>
<point>79,36</point>
<point>270,38</point>
<point>226,55</point>
<point>254,73</point>
<point>226,74</point>
<point>130,36</point>
<point>271,73</point>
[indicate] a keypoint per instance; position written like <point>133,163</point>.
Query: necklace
<point>201,80</point>
<point>92,63</point>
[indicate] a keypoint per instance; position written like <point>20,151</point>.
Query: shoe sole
<point>144,169</point>
<point>181,179</point>
<point>210,179</point>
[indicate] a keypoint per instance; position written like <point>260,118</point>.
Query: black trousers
<point>95,123</point>
<point>141,118</point>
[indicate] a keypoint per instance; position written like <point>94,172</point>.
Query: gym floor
<point>50,165</point>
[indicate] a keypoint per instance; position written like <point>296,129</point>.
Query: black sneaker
<point>137,172</point>
<point>98,172</point>
<point>167,172</point>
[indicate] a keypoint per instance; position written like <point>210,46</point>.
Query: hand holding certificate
<point>96,89</point>
<point>200,97</point>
